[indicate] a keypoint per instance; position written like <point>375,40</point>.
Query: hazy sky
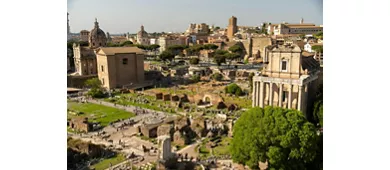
<point>121,16</point>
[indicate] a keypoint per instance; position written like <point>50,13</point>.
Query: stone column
<point>280,94</point>
<point>254,94</point>
<point>270,100</point>
<point>305,96</point>
<point>289,96</point>
<point>261,94</point>
<point>299,98</point>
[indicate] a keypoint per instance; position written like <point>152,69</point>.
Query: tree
<point>217,76</point>
<point>126,43</point>
<point>318,48</point>
<point>232,56</point>
<point>319,35</point>
<point>176,49</point>
<point>110,44</point>
<point>318,107</point>
<point>302,36</point>
<point>194,61</point>
<point>233,89</point>
<point>219,59</point>
<point>196,49</point>
<point>95,86</point>
<point>154,47</point>
<point>221,52</point>
<point>93,83</point>
<point>166,55</point>
<point>210,46</point>
<point>140,46</point>
<point>283,137</point>
<point>236,49</point>
<point>217,27</point>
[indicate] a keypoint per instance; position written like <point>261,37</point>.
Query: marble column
<point>280,94</point>
<point>270,100</point>
<point>261,94</point>
<point>299,98</point>
<point>254,94</point>
<point>289,96</point>
<point>305,96</point>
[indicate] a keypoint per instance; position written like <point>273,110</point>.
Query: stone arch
<point>207,99</point>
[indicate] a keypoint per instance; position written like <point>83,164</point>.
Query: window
<point>102,68</point>
<point>93,44</point>
<point>284,96</point>
<point>100,44</point>
<point>103,81</point>
<point>284,66</point>
<point>124,61</point>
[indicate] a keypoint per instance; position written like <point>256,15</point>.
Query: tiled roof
<point>120,50</point>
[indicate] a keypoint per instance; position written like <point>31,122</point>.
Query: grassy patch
<point>99,113</point>
<point>223,147</point>
<point>125,101</point>
<point>106,162</point>
<point>241,102</point>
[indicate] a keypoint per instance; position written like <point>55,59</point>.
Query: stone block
<point>166,97</point>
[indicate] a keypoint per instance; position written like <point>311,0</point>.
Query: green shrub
<point>233,89</point>
<point>217,76</point>
<point>195,78</point>
<point>194,61</point>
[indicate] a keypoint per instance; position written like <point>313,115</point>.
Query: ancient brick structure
<point>165,129</point>
<point>149,131</point>
<point>178,139</point>
<point>159,96</point>
<point>166,97</point>
<point>80,124</point>
<point>221,105</point>
<point>175,98</point>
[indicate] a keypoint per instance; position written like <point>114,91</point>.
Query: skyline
<point>127,16</point>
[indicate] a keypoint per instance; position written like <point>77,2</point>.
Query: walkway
<point>190,150</point>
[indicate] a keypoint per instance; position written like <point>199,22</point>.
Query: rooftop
<point>120,50</point>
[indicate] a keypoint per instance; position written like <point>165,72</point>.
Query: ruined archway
<point>207,99</point>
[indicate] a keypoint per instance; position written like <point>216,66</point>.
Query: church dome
<point>142,32</point>
<point>97,37</point>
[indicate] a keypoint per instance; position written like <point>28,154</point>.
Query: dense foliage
<point>194,61</point>
<point>319,35</point>
<point>195,78</point>
<point>166,55</point>
<point>96,90</point>
<point>236,49</point>
<point>318,107</point>
<point>217,76</point>
<point>280,136</point>
<point>233,89</point>
<point>318,48</point>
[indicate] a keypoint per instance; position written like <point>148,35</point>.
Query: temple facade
<point>288,79</point>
